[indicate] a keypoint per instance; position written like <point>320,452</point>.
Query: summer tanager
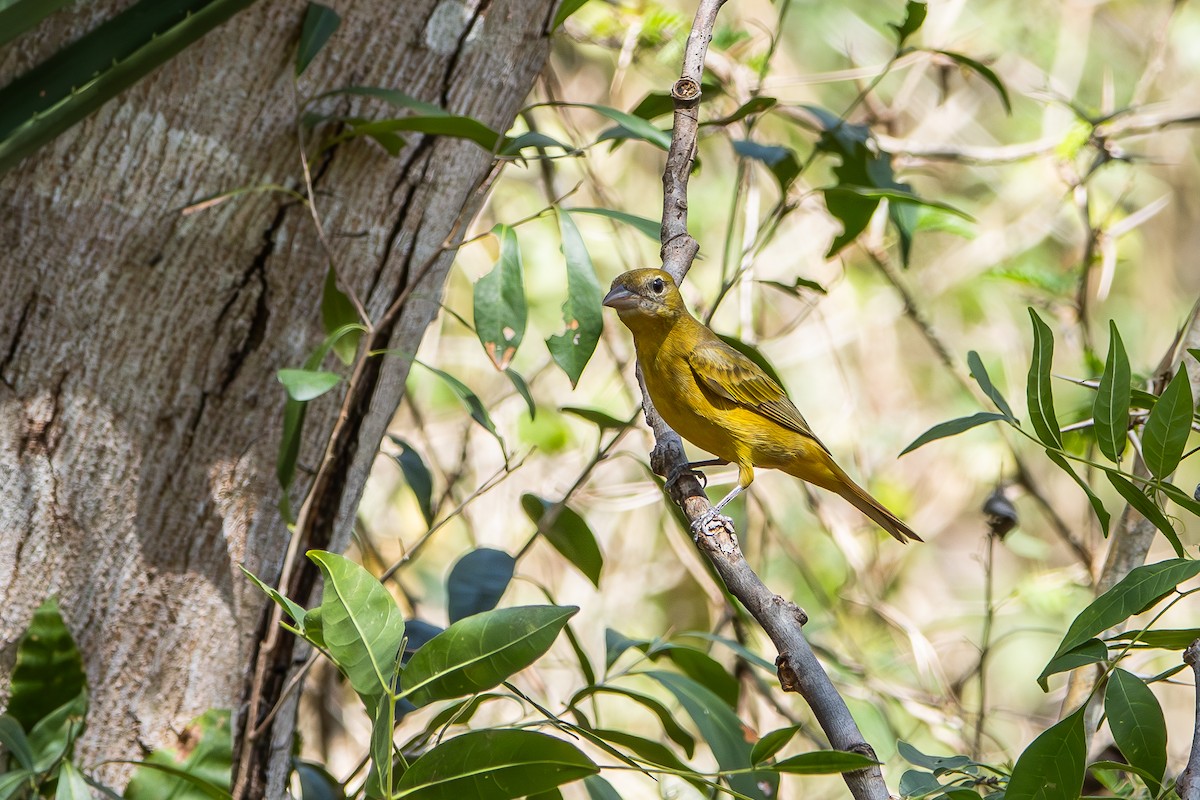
<point>723,402</point>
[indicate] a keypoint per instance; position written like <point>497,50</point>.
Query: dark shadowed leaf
<point>771,743</point>
<point>49,670</point>
<point>522,388</point>
<point>568,533</point>
<point>316,783</point>
<point>416,475</point>
<point>494,765</point>
<point>303,385</point>
<point>481,651</point>
<point>597,417</point>
<point>1037,389</point>
<point>1052,766</point>
<point>393,97</point>
<point>952,428</point>
<point>780,160</point>
<point>581,311</point>
<point>1120,766</point>
<point>18,16</point>
<point>1162,639</point>
<point>469,399</point>
<point>320,22</point>
<point>478,581</point>
<point>565,10</point>
<point>1137,723</point>
<point>674,731</point>
<point>1166,433</point>
<point>1147,508</point>
<point>500,310</point>
<point>635,127</point>
<point>983,71</point>
<point>1093,651</point>
<point>914,18</point>
<point>649,227</point>
<point>441,124</point>
<point>1097,504</point>
<point>360,623</point>
<point>899,194</point>
<point>707,671</point>
<point>794,289</point>
<point>823,762</point>
<point>1138,591</point>
<point>980,374</point>
<point>1110,407</point>
<point>338,312</point>
<point>649,749</point>
<point>756,105</point>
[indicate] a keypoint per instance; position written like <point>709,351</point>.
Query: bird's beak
<point>619,298</point>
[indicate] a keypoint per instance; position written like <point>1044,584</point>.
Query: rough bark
<point>139,411</point>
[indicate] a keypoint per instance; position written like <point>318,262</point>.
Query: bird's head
<point>645,295</point>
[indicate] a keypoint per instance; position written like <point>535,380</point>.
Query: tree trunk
<point>140,416</point>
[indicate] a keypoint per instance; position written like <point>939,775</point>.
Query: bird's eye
<point>657,285</point>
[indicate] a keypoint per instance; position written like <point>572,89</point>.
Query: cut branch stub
<point>686,91</point>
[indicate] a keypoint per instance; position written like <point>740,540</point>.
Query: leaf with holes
<point>573,349</point>
<point>500,310</point>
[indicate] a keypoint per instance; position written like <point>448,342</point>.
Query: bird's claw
<point>710,522</point>
<point>685,470</point>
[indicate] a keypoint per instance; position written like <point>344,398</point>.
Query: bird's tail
<point>861,500</point>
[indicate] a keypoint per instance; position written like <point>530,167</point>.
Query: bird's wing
<point>729,374</point>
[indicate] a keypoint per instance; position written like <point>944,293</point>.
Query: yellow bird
<point>723,402</point>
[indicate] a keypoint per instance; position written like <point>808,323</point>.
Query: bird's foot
<point>710,523</point>
<point>685,469</point>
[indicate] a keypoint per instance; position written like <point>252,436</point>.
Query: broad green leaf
<point>674,731</point>
<point>1120,766</point>
<point>18,16</point>
<point>500,310</point>
<point>636,126</point>
<point>617,643</point>
<point>513,145</point>
<point>566,9</point>
<point>303,385</point>
<point>1052,766</point>
<point>980,374</point>
<point>914,756</point>
<point>915,783</point>
<point>755,105</point>
<point>647,749</point>
<point>360,623</point>
<point>292,608</point>
<point>1137,724</point>
<point>1137,592</point>
<point>416,475</point>
<point>477,582</point>
<point>823,762</point>
<point>382,777</point>
<point>494,765</point>
<point>581,311</point>
<point>649,227</point>
<point>568,533</point>
<point>899,194</point>
<point>338,312</point>
<point>914,18</point>
<point>953,428</point>
<point>1110,407</point>
<point>983,71</point>
<point>771,743</point>
<point>706,671</point>
<point>71,785</point>
<point>1162,639</point>
<point>49,670</point>
<point>722,730</point>
<point>597,417</point>
<point>205,770</point>
<point>1147,508</point>
<point>599,789</point>
<point>469,399</point>
<point>13,739</point>
<point>522,388</point>
<point>316,783</point>
<point>1037,391</point>
<point>480,652</point>
<point>781,161</point>
<point>1097,504</point>
<point>320,22</point>
<point>79,78</point>
<point>1166,433</point>
<point>1180,497</point>
<point>1093,651</point>
<point>17,781</point>
<point>53,736</point>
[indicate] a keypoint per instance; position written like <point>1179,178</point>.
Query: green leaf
<point>292,608</point>
<point>1162,639</point>
<point>1052,767</point>
<point>500,310</point>
<point>49,670</point>
<point>581,311</point>
<point>469,399</point>
<point>494,765</point>
<point>1093,651</point>
<point>17,781</point>
<point>597,417</point>
<point>781,161</point>
<point>303,385</point>
<point>78,79</point>
<point>316,783</point>
<point>522,388</point>
<point>933,763</point>
<point>1097,504</point>
<point>382,777</point>
<point>416,475</point>
<point>1137,724</point>
<point>480,652</point>
<point>646,749</point>
<point>320,22</point>
<point>722,730</point>
<point>899,193</point>
<point>914,18</point>
<point>771,743</point>
<point>1110,407</point>
<point>755,105</point>
<point>794,288</point>
<point>53,736</point>
<point>1037,391</point>
<point>565,10</point>
<point>980,374</point>
<point>599,789</point>
<point>1180,497</point>
<point>338,312</point>
<point>1166,433</point>
<point>18,16</point>
<point>953,428</point>
<point>636,127</point>
<point>392,97</point>
<point>568,533</point>
<point>440,124</point>
<point>477,581</point>
<point>71,785</point>
<point>1147,508</point>
<point>671,727</point>
<point>205,770</point>
<point>823,762</point>
<point>13,739</point>
<point>651,228</point>
<point>1118,766</point>
<point>706,671</point>
<point>984,72</point>
<point>360,623</point>
<point>1138,591</point>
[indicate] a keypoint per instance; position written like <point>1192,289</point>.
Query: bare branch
<point>1188,782</point>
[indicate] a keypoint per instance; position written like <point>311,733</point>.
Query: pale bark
<point>139,410</point>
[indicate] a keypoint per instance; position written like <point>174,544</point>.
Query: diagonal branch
<point>783,621</point>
